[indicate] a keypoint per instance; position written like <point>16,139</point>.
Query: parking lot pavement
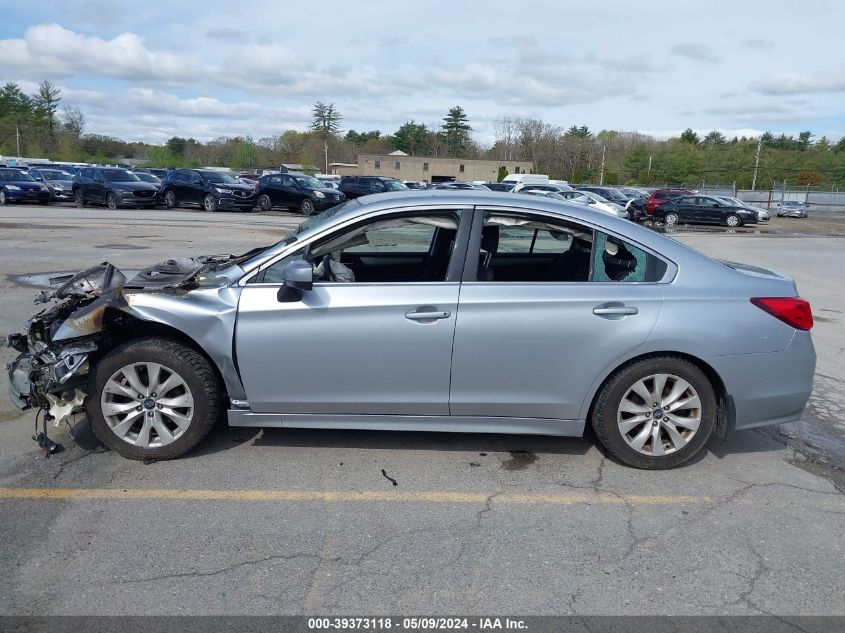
<point>349,522</point>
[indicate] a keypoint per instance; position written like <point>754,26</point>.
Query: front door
<point>373,336</point>
<point>553,304</point>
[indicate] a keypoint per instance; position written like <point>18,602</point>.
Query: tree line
<point>40,125</point>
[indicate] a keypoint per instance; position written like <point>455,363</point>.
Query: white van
<point>522,180</point>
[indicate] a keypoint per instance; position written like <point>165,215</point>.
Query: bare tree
<point>74,121</point>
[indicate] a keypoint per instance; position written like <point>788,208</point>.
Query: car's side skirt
<point>445,423</point>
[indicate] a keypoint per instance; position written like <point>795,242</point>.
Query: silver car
<point>445,311</point>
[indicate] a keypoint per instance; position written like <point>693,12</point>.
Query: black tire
<point>170,200</point>
<point>733,221</point>
<point>671,219</point>
<point>191,366</point>
<point>78,198</point>
<point>306,207</point>
<point>111,201</point>
<point>209,203</point>
<point>604,417</point>
<point>264,202</point>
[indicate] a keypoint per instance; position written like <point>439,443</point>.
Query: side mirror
<point>299,275</point>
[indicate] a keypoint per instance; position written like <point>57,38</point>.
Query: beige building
<point>429,168</point>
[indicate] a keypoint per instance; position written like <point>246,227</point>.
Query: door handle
<point>614,310</point>
<point>432,315</point>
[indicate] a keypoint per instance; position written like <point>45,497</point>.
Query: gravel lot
<point>291,522</point>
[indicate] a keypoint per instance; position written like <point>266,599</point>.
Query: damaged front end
<point>50,373</point>
<point>92,311</point>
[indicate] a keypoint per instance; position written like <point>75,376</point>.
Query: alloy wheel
<point>111,201</point>
<point>671,219</point>
<point>732,220</point>
<point>307,207</point>
<point>264,202</point>
<point>147,405</point>
<point>659,414</point>
<point>208,203</point>
<point>170,200</point>
<point>2,196</point>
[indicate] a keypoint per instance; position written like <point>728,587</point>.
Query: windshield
<point>394,185</point>
<point>15,174</point>
<point>51,174</point>
<point>309,183</point>
<point>148,178</point>
<point>119,175</point>
<point>219,177</point>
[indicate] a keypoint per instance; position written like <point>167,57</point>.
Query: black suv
<point>112,187</point>
<point>209,189</point>
<point>296,191</point>
<point>356,186</point>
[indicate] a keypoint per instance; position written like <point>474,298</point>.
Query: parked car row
<point>211,189</point>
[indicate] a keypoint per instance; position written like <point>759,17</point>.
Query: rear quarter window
<point>616,260</point>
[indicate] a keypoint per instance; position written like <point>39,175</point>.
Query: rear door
<point>545,307</point>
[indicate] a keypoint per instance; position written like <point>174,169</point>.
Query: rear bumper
<point>769,388</point>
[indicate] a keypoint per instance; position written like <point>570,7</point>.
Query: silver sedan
<point>438,311</point>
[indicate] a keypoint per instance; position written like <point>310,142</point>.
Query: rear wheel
<point>209,203</point>
<point>152,399</point>
<point>264,202</point>
<point>671,219</point>
<point>656,413</point>
<point>170,200</point>
<point>733,220</point>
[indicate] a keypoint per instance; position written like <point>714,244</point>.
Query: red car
<point>660,196</point>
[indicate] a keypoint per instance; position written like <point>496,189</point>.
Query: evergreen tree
<point>456,129</point>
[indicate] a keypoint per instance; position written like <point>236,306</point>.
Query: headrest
<point>490,239</point>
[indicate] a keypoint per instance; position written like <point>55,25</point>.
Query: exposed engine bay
<point>91,312</point>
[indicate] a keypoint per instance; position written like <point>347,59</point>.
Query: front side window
<point>399,249</point>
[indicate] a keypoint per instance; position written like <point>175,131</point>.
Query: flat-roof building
<point>429,168</point>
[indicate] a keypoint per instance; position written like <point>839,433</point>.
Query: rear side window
<point>617,260</point>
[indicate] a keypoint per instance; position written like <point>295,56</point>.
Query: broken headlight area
<point>51,378</point>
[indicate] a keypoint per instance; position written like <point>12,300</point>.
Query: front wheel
<point>152,399</point>
<point>3,200</point>
<point>656,413</point>
<point>733,220</point>
<point>306,207</point>
<point>209,203</point>
<point>264,202</point>
<point>78,198</point>
<point>170,200</point>
<point>671,219</point>
<point>111,201</point>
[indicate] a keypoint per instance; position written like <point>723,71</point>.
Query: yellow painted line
<point>175,494</point>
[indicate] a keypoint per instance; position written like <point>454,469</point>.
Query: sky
<point>149,70</point>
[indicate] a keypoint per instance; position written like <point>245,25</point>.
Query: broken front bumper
<point>47,378</point>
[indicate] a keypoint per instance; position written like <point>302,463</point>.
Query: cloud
<point>153,101</point>
<point>54,51</point>
<point>697,52</point>
<point>795,83</point>
<point>756,43</point>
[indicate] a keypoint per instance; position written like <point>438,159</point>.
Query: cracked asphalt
<point>309,522</point>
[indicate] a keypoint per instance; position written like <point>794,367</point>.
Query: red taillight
<point>793,311</point>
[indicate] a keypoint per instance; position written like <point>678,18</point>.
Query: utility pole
<point>649,164</point>
<point>601,170</point>
<point>756,163</point>
<point>326,154</point>
<point>18,139</point>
